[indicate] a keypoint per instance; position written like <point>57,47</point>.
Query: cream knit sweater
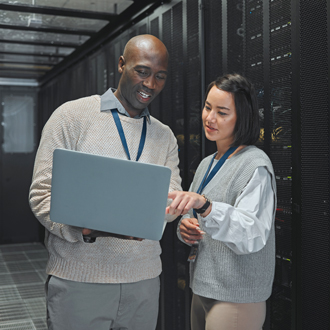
<point>80,125</point>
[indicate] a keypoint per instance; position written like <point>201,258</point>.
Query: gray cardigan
<point>218,272</point>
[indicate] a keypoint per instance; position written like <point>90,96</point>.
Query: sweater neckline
<point>130,120</point>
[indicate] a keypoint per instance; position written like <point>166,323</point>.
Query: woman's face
<point>219,116</point>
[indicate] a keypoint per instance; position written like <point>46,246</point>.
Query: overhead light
<point>18,82</point>
<point>34,20</point>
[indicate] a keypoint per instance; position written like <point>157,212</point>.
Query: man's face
<point>144,75</point>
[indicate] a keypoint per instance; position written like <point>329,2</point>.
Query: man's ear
<point>121,64</point>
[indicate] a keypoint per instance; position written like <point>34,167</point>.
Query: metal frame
<point>203,70</point>
<point>117,23</point>
<point>266,73</point>
<point>55,11</point>
<point>47,30</point>
<point>13,69</point>
<point>296,168</point>
<point>26,63</point>
<point>224,32</point>
<point>185,93</point>
<point>42,43</point>
<point>32,54</point>
<point>17,74</point>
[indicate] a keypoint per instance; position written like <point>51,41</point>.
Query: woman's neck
<point>222,148</point>
<point>218,156</point>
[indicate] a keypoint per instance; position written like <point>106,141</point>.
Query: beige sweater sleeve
<point>172,162</point>
<point>56,134</point>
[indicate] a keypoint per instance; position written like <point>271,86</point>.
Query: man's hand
<point>86,231</point>
<point>190,231</point>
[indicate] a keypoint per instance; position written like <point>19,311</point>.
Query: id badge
<point>193,253</point>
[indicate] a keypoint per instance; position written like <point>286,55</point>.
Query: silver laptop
<point>108,194</point>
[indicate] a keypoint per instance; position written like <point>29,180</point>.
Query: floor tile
<point>22,279</point>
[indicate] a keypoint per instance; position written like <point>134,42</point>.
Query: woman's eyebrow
<point>219,107</point>
<point>223,108</point>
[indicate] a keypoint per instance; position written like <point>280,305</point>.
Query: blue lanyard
<point>207,178</point>
<point>122,135</point>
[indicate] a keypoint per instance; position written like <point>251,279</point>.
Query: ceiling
<point>38,37</point>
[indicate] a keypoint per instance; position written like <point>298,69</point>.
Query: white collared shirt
<point>244,227</point>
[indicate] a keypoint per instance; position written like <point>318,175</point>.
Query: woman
<point>230,224</point>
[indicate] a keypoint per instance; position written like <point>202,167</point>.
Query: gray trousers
<point>89,306</point>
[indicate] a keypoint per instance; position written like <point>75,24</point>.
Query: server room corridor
<point>22,278</point>
<point>53,52</point>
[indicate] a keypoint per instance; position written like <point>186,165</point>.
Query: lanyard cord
<point>123,138</point>
<point>207,178</point>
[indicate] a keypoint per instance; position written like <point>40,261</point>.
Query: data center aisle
<point>22,278</point>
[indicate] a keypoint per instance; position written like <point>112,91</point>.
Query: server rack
<point>311,285</point>
<point>258,45</point>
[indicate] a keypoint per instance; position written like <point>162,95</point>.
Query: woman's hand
<point>190,231</point>
<point>183,201</point>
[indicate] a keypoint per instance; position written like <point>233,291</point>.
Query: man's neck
<point>132,113</point>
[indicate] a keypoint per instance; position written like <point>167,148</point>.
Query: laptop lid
<point>108,194</point>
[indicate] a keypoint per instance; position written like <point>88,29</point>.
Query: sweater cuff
<point>72,234</point>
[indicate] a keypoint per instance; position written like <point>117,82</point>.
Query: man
<point>114,282</point>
